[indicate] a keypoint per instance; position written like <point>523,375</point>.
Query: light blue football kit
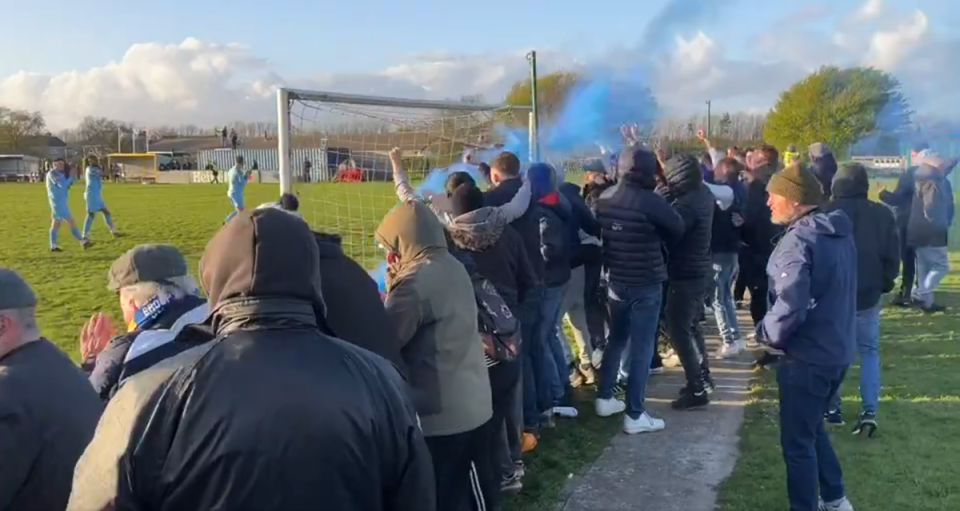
<point>93,195</point>
<point>237,184</point>
<point>58,188</point>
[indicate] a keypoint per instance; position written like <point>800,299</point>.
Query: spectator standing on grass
<point>430,300</point>
<point>758,231</point>
<point>824,166</point>
<point>47,410</point>
<point>688,269</point>
<point>558,237</point>
<point>725,249</point>
<point>357,314</point>
<point>585,252</point>
<point>928,230</point>
<point>307,168</point>
<point>901,200</point>
<point>272,394</point>
<point>497,256</point>
<point>813,320</point>
<point>162,312</point>
<point>635,224</point>
<point>878,262</point>
<point>505,184</point>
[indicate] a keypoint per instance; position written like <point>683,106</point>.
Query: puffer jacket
<point>690,256</point>
<point>239,423</point>
<point>636,224</point>
<point>874,233</point>
<point>497,251</point>
<point>431,302</point>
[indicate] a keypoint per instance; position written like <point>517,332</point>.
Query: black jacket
<point>725,235</point>
<point>758,232</point>
<point>874,233</point>
<point>273,413</point>
<point>497,253</point>
<point>901,198</point>
<point>526,225</point>
<point>636,223</point>
<point>690,255</point>
<point>586,222</point>
<point>354,310</point>
<point>556,235</point>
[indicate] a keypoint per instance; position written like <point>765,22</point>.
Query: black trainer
<point>691,399</point>
<point>708,384</point>
<point>866,423</point>
<point>834,417</point>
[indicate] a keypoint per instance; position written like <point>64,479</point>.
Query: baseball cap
<point>15,293</point>
<point>146,263</point>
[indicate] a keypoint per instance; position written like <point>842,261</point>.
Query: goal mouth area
<point>133,167</point>
<point>351,189</point>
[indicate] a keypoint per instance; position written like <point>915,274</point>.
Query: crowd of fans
<point>296,385</point>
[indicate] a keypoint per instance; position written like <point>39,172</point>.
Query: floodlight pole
<point>709,116</point>
<point>534,111</point>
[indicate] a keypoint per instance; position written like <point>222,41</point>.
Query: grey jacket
<point>932,209</point>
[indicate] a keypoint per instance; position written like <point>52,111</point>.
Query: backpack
<point>498,326</point>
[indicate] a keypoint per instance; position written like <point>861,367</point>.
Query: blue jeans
<point>634,313</point>
<point>725,268</point>
<point>556,377</point>
<point>805,392</point>
<point>868,344</point>
<point>531,349</point>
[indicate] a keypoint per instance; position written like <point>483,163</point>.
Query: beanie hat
<point>797,184</point>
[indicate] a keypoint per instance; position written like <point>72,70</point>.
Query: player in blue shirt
<point>237,181</point>
<point>58,188</point>
<point>93,196</point>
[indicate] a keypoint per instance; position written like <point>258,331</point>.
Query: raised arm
<point>406,193</point>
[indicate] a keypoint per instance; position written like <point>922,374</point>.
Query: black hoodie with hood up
<point>874,233</point>
<point>273,413</point>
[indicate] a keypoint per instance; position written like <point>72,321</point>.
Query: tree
<point>18,126</point>
<point>839,107</point>
<point>99,131</point>
<point>552,92</point>
<point>725,124</point>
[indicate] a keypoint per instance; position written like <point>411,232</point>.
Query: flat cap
<point>146,263</point>
<point>15,293</point>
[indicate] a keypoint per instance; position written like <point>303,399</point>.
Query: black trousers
<point>740,286</point>
<point>755,277</point>
<point>463,468</point>
<point>684,306</point>
<point>908,265</point>
<point>595,302</point>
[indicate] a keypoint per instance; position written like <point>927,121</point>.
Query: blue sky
<point>302,37</point>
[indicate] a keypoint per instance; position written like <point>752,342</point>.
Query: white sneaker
<point>643,424</point>
<point>657,370</point>
<point>608,407</point>
<point>596,358</point>
<point>568,412</point>
<point>838,505</point>
<point>727,351</point>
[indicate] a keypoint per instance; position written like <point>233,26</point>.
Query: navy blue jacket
<point>813,280</point>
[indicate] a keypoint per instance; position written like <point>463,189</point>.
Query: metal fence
<point>268,159</point>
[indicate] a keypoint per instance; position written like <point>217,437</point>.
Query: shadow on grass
<point>562,452</point>
<point>913,462</point>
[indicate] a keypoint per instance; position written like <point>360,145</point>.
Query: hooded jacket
<point>690,255</point>
<point>932,209</point>
<point>636,225</point>
<point>497,251</point>
<point>813,280</point>
<point>240,423</point>
<point>558,227</point>
<point>431,302</point>
<point>587,226</point>
<point>354,310</point>
<point>824,166</point>
<point>874,234</point>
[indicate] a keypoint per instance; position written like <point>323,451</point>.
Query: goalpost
<point>350,191</point>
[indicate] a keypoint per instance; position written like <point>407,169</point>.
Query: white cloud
<point>208,84</point>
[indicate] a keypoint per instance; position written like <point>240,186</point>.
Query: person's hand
<point>701,135</point>
<point>396,157</point>
<point>881,186</point>
<point>95,335</point>
<point>737,219</point>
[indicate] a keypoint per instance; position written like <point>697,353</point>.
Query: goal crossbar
<point>359,99</point>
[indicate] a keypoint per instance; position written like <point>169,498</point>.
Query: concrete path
<point>679,468</point>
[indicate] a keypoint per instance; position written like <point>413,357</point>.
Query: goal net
<point>351,189</point>
<point>134,167</point>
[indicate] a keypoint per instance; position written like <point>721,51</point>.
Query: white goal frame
<point>286,97</point>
